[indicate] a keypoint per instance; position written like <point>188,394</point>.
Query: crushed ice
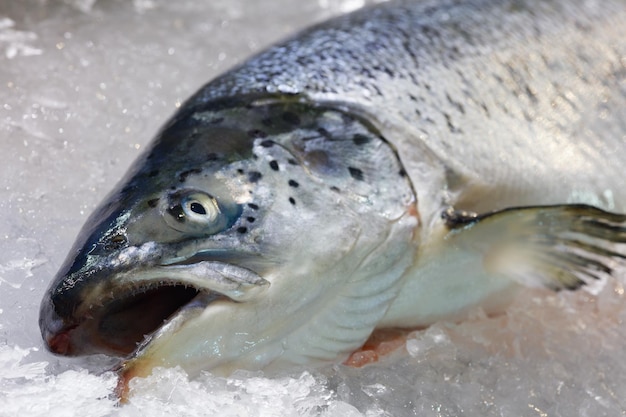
<point>17,42</point>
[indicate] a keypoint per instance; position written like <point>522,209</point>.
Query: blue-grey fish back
<point>516,77</point>
<point>404,41</point>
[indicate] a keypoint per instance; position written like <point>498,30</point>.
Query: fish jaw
<point>118,307</point>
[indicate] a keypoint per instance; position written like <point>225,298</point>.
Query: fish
<point>389,168</point>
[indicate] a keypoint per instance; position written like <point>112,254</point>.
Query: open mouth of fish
<point>145,301</point>
<point>130,320</point>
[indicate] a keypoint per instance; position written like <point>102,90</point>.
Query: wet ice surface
<point>84,85</point>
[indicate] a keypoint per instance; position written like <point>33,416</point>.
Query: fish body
<point>389,168</point>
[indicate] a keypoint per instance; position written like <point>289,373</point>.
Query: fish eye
<point>195,212</point>
<point>200,207</point>
<point>197,208</point>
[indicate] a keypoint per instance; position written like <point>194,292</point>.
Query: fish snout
<point>56,333</point>
<point>59,343</point>
<point>66,335</point>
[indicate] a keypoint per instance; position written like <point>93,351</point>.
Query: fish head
<point>235,231</point>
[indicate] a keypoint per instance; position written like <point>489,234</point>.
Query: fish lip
<point>149,295</point>
<point>209,277</point>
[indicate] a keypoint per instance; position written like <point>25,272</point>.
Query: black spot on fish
<point>253,206</point>
<point>356,173</point>
<point>485,109</point>
<point>212,157</point>
<point>257,133</point>
<point>250,219</point>
<point>325,133</point>
<point>451,127</point>
<point>389,72</point>
<point>153,173</point>
<point>268,143</point>
<point>366,72</point>
<point>292,161</point>
<point>291,118</point>
<point>153,203</point>
<point>335,189</point>
<point>254,176</point>
<point>360,139</point>
<point>292,201</point>
<point>402,172</point>
<point>274,165</point>
<point>293,184</point>
<point>242,229</point>
<point>182,177</point>
<point>456,104</point>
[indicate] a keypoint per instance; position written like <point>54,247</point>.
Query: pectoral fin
<point>559,247</point>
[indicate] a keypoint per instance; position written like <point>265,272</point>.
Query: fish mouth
<point>127,322</point>
<point>126,310</point>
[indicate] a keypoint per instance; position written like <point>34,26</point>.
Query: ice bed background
<point>84,85</point>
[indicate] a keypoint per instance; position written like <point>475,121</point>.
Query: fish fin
<point>558,247</point>
<point>381,343</point>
